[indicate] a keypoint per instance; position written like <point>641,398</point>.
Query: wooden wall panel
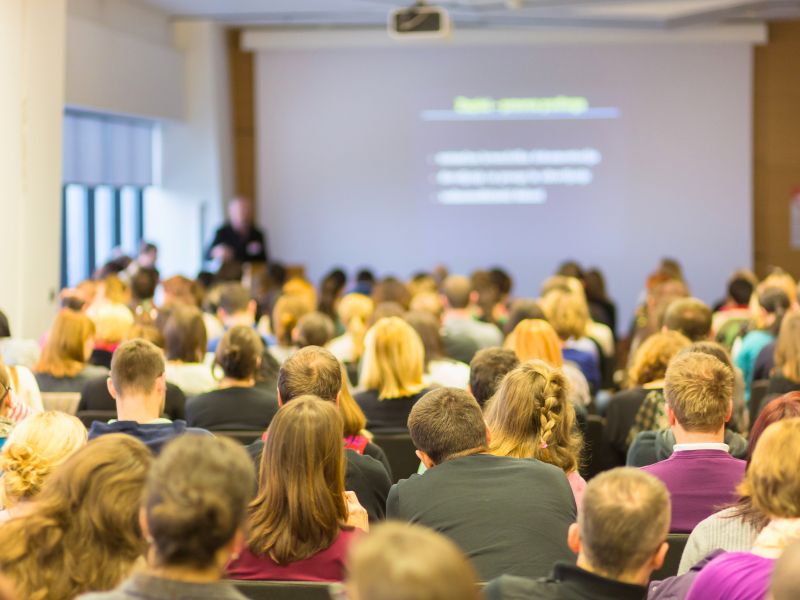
<point>243,117</point>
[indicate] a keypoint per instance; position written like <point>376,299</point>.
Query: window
<point>108,164</point>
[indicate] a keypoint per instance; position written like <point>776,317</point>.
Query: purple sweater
<point>733,576</point>
<point>700,482</point>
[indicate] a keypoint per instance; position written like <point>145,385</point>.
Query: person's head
<point>235,305</point>
<point>662,290</point>
<point>239,353</point>
<point>185,334</point>
<point>144,282</point>
<point>384,310</point>
<point>300,506</point>
<point>428,302</point>
<point>487,369</point>
<point>195,502</point>
<point>689,316</point>
<point>787,351</point>
<point>148,255</point>
<point>314,329</point>
<point>777,409</point>
<point>240,213</point>
<point>622,525</point>
<point>457,291</point>
<point>773,303</point>
<point>68,346</point>
<point>33,450</point>
<point>393,359</point>
<point>355,311</point>
<point>427,326</point>
<point>137,376</point>
<point>115,290</point>
<point>781,280</point>
<point>594,283</point>
<point>772,480</point>
<point>288,310</point>
<point>181,290</point>
<point>402,561</point>
<point>653,356</point>
<point>740,289</point>
<point>535,339</point>
<point>522,309</point>
<point>311,371</point>
<point>567,312</point>
<point>530,416</point>
<point>112,323</point>
<point>698,389</point>
<point>391,289</point>
<point>501,280</point>
<point>83,532</point>
<point>786,575</point>
<point>447,423</point>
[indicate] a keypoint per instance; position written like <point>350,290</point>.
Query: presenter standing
<point>238,240</point>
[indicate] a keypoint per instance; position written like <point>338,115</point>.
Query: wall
<point>31,104</point>
<point>776,151</point>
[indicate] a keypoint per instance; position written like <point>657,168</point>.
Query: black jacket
<point>363,475</point>
<point>567,582</point>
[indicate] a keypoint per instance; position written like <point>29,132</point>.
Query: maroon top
<point>327,565</point>
<point>700,482</point>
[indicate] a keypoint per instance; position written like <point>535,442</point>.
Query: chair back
<point>598,454</point>
<point>64,401</point>
<point>243,436</point>
<point>283,590</point>
<point>400,452</point>
<point>758,394</point>
<point>88,417</point>
<point>677,543</point>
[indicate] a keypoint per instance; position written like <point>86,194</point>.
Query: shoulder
<point>511,587</point>
<point>362,463</point>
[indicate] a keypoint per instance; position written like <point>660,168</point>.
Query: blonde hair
<point>787,352</point>
<point>354,312</point>
<point>567,312</point>
<point>287,312</point>
<point>64,353</point>
<point>115,290</point>
<point>531,416</point>
<point>772,479</point>
<point>112,322</point>
<point>698,388</point>
<point>35,447</point>
<point>652,358</point>
<point>352,416</point>
<point>783,281</point>
<point>297,286</point>
<point>535,339</point>
<point>394,359</point>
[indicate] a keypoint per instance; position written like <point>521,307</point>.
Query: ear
<point>239,541</point>
<point>339,395</point>
<point>252,307</point>
<point>729,414</point>
<point>143,525</point>
<point>670,416</point>
<point>574,538</point>
<point>660,556</point>
<point>111,389</point>
<point>488,436</point>
<point>426,460</point>
<point>280,400</point>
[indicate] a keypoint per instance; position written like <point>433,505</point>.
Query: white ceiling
<point>659,14</point>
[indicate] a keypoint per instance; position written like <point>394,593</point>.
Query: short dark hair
<point>487,369</point>
<point>446,423</point>
<point>135,366</point>
<point>239,351</point>
<point>690,316</point>
<point>314,329</point>
<point>185,334</point>
<point>143,283</point>
<point>310,371</point>
<point>196,498</point>
<point>233,298</point>
<point>740,289</point>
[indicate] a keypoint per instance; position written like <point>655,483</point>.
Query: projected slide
<point>532,166</point>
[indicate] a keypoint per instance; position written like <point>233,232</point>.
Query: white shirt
<point>701,446</point>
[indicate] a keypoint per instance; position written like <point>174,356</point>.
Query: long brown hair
<point>64,353</point>
<point>531,416</point>
<point>185,334</point>
<point>83,533</point>
<point>300,507</point>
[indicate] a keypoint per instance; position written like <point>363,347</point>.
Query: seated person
<point>235,308</point>
<point>302,521</point>
<point>407,562</point>
<point>391,374</point>
<point>185,346</point>
<point>773,482</point>
<point>786,374</point>
<point>82,533</point>
<point>700,474</point>
<point>191,542</point>
<point>238,403</point>
<point>530,416</point>
<point>64,363</point>
<point>138,385</point>
<point>508,515</point>
<point>463,334</point>
<point>315,371</point>
<point>487,370</point>
<point>786,575</point>
<point>690,317</point>
<point>619,539</point>
<point>314,329</point>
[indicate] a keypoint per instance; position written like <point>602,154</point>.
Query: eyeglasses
<point>338,591</point>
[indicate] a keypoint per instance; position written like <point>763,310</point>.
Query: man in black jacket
<point>314,370</point>
<point>508,515</point>
<point>619,539</point>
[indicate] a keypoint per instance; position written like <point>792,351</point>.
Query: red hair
<point>782,407</point>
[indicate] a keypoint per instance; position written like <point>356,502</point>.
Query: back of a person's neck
<point>698,437</point>
<point>229,382</point>
<point>138,409</point>
<point>244,319</point>
<point>185,574</point>
<point>640,577</point>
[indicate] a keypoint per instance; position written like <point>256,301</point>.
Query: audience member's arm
<point>393,504</point>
